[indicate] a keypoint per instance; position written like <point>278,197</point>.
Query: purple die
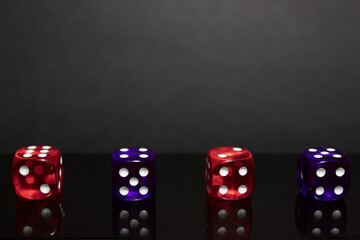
<point>133,173</point>
<point>324,174</point>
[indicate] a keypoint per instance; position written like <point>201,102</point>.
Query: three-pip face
<point>324,174</point>
<point>133,173</point>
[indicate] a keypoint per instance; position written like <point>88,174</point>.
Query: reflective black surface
<point>180,209</point>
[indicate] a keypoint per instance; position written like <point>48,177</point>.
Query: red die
<point>229,173</point>
<point>37,172</point>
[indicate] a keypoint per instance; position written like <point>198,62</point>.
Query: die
<point>134,220</point>
<point>37,172</point>
<point>228,219</point>
<point>41,218</point>
<point>320,218</point>
<point>133,173</point>
<point>324,174</point>
<point>229,173</point>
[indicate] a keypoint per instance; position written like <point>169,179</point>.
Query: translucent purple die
<point>324,174</point>
<point>133,173</point>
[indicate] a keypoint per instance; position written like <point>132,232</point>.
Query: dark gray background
<point>180,75</point>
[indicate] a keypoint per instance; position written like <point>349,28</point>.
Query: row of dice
<point>323,173</point>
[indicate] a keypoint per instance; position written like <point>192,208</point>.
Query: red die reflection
<point>229,173</point>
<point>39,218</point>
<point>228,219</point>
<point>37,172</point>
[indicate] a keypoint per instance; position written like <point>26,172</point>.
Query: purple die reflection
<point>324,174</point>
<point>133,173</point>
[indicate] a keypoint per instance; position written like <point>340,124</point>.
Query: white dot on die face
<point>144,232</point>
<point>46,147</point>
<point>143,172</point>
<point>336,214</point>
<point>222,213</point>
<point>242,189</point>
<point>240,230</point>
<point>221,231</point>
<point>27,155</point>
<point>340,172</point>
<point>319,191</point>
<point>44,151</point>
<point>143,190</point>
<point>29,151</point>
<point>338,190</point>
<point>31,147</point>
<point>320,172</point>
<point>237,149</point>
<point>143,155</point>
<point>222,155</point>
<point>223,190</point>
<point>318,214</point>
<point>44,188</point>
<point>61,161</point>
<point>124,156</point>
<point>334,231</point>
<point>143,214</point>
<point>224,171</point>
<point>124,149</point>
<point>124,191</point>
<point>60,172</point>
<point>59,184</point>
<point>133,181</point>
<point>330,149</point>
<point>324,153</point>
<point>24,170</point>
<point>337,156</point>
<point>123,172</point>
<point>243,171</point>
<point>134,223</point>
<point>27,230</point>
<point>241,213</point>
<point>124,214</point>
<point>318,156</point>
<point>124,232</point>
<point>143,149</point>
<point>312,150</point>
<point>42,155</point>
<point>316,231</point>
<point>46,213</point>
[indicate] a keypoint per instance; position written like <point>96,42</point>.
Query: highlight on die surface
<point>133,173</point>
<point>37,172</point>
<point>324,173</point>
<point>229,173</point>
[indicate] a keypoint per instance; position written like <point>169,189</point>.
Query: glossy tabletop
<point>180,209</point>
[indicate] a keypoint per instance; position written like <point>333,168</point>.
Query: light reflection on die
<point>227,220</point>
<point>319,218</point>
<point>134,220</point>
<point>40,218</point>
<point>133,173</point>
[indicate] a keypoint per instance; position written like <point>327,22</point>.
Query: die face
<point>229,173</point>
<point>228,219</point>
<point>322,218</point>
<point>134,220</point>
<point>133,177</point>
<point>324,175</point>
<point>41,218</point>
<point>37,172</point>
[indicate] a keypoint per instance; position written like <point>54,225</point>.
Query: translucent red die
<point>229,173</point>
<point>37,172</point>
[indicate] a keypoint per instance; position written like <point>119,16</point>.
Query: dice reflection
<point>39,218</point>
<point>228,219</point>
<point>319,218</point>
<point>134,220</point>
